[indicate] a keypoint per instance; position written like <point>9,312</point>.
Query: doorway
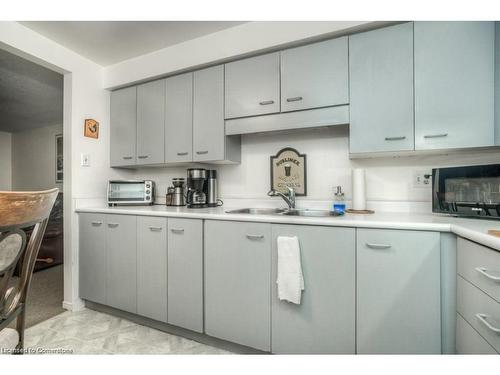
<point>31,157</point>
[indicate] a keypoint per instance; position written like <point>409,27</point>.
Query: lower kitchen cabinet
<point>324,322</point>
<point>92,257</point>
<point>152,267</point>
<point>121,262</point>
<point>185,273</point>
<point>237,282</point>
<point>398,292</point>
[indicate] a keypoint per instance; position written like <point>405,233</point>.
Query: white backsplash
<point>389,180</point>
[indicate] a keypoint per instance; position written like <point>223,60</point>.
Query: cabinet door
<point>237,282</point>
<point>253,86</point>
<point>151,123</point>
<point>152,267</point>
<point>398,292</point>
<point>208,114</point>
<point>179,118</point>
<point>454,84</point>
<point>123,118</point>
<point>381,90</point>
<point>324,322</point>
<point>185,273</point>
<point>315,75</point>
<point>121,262</point>
<point>92,257</point>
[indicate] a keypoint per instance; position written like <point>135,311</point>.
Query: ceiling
<point>109,42</point>
<point>31,96</point>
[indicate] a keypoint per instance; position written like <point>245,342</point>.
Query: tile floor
<point>92,332</point>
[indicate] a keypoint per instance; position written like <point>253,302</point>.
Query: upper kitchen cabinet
<point>454,84</point>
<point>123,127</point>
<point>252,86</point>
<point>381,90</point>
<point>315,75</point>
<point>210,143</point>
<point>151,123</point>
<point>179,118</point>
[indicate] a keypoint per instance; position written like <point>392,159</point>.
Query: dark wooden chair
<point>19,210</point>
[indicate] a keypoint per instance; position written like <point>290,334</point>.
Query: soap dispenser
<point>339,201</point>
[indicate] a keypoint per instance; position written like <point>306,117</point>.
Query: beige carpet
<point>45,296</point>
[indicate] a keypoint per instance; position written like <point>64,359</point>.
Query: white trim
<point>73,306</point>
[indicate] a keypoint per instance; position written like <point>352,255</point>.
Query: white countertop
<point>473,229</point>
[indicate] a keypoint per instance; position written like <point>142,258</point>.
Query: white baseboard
<point>70,306</point>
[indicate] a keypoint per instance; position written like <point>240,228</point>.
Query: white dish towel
<point>290,279</point>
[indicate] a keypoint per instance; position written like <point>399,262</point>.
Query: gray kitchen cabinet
<point>398,292</point>
<point>179,118</point>
<point>209,139</point>
<point>454,84</point>
<point>151,122</point>
<point>252,86</point>
<point>121,262</point>
<point>315,75</point>
<point>123,118</point>
<point>237,282</point>
<point>92,257</point>
<point>152,267</point>
<point>381,90</point>
<point>324,322</point>
<point>469,341</point>
<point>185,273</point>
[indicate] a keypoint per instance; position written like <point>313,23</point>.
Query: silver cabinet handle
<point>377,245</point>
<point>483,272</point>
<point>266,102</point>
<point>155,229</point>
<point>96,223</point>
<point>436,135</point>
<point>127,157</point>
<point>482,318</point>
<point>182,153</point>
<point>177,230</point>
<point>255,236</point>
<point>113,225</point>
<point>202,152</point>
<point>143,156</point>
<point>294,99</point>
<point>395,138</point>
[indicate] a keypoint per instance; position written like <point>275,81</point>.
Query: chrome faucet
<point>289,199</point>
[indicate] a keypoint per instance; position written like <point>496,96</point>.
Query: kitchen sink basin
<point>286,212</point>
<point>257,211</point>
<point>311,213</point>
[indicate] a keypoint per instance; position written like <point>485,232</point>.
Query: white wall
<point>389,180</point>
<point>34,159</point>
<point>5,161</point>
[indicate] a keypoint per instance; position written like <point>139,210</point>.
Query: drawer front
<point>481,311</point>
<point>469,341</point>
<point>480,265</point>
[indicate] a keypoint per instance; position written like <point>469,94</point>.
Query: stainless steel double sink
<point>285,212</point>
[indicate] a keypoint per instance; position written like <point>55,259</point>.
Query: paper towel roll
<point>358,189</point>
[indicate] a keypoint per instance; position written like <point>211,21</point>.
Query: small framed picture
<point>91,129</point>
<point>59,158</point>
<point>288,169</point>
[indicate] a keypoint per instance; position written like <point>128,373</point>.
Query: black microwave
<point>472,191</point>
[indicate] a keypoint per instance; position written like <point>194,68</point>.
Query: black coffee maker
<point>196,188</point>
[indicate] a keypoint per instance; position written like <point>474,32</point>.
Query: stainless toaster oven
<point>472,191</point>
<point>130,192</point>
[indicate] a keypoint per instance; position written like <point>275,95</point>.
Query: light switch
<point>85,160</point>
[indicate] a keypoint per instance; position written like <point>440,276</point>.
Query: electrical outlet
<point>421,179</point>
<point>85,160</point>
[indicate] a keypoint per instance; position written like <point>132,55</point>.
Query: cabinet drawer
<point>469,341</point>
<point>480,265</point>
<point>481,311</point>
